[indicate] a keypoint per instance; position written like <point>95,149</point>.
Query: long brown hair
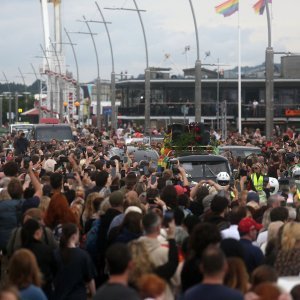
<point>59,212</point>
<point>237,276</point>
<point>23,269</point>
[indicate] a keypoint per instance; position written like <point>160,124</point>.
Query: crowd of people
<point>77,223</point>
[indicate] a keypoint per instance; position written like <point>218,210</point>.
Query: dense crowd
<point>78,223</point>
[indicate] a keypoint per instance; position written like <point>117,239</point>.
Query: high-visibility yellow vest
<point>258,182</point>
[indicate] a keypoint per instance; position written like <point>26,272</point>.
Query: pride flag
<point>259,7</point>
<point>228,8</point>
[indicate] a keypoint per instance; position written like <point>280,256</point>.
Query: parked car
<point>242,151</point>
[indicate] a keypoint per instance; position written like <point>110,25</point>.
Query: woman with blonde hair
<point>24,273</point>
<point>142,263</point>
<point>88,207</point>
<point>287,262</point>
<point>44,203</point>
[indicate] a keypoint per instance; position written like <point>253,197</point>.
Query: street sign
<point>106,110</point>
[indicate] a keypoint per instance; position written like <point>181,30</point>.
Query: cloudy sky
<point>169,28</point>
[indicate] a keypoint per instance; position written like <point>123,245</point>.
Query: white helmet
<point>296,172</point>
<point>274,185</point>
<point>223,178</point>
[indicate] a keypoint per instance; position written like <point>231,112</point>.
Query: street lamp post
<point>147,74</point>
<point>98,81</point>
<point>147,70</point>
<point>269,79</point>
<point>76,64</point>
<point>77,105</point>
<point>198,72</point>
<point>113,74</point>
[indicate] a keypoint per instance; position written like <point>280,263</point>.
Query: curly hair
<point>142,262</point>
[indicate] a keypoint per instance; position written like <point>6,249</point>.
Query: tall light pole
<point>76,64</point>
<point>269,79</point>
<point>147,74</point>
<point>98,81</point>
<point>113,74</point>
<point>198,73</point>
<point>147,70</point>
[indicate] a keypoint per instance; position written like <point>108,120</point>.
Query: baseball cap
<point>180,190</point>
<point>246,224</point>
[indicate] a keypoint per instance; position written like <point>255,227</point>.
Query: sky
<point>169,28</point>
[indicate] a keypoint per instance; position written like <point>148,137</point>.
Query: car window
<point>49,133</point>
<point>212,168</point>
<point>207,169</point>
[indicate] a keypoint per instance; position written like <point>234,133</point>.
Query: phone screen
<point>125,159</point>
<point>168,217</point>
<point>113,172</point>
<point>290,198</point>
<point>146,171</point>
<point>153,179</point>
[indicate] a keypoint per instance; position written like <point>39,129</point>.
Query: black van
<point>47,132</point>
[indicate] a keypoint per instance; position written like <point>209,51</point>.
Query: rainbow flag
<point>259,7</point>
<point>228,8</point>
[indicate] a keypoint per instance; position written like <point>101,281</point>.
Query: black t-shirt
<point>71,276</point>
<point>115,291</point>
<point>212,292</point>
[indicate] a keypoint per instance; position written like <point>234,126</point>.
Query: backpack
<point>92,238</point>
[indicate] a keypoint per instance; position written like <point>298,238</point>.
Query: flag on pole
<point>259,7</point>
<point>228,8</point>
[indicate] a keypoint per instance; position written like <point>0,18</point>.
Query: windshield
<point>207,169</point>
<point>48,133</point>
